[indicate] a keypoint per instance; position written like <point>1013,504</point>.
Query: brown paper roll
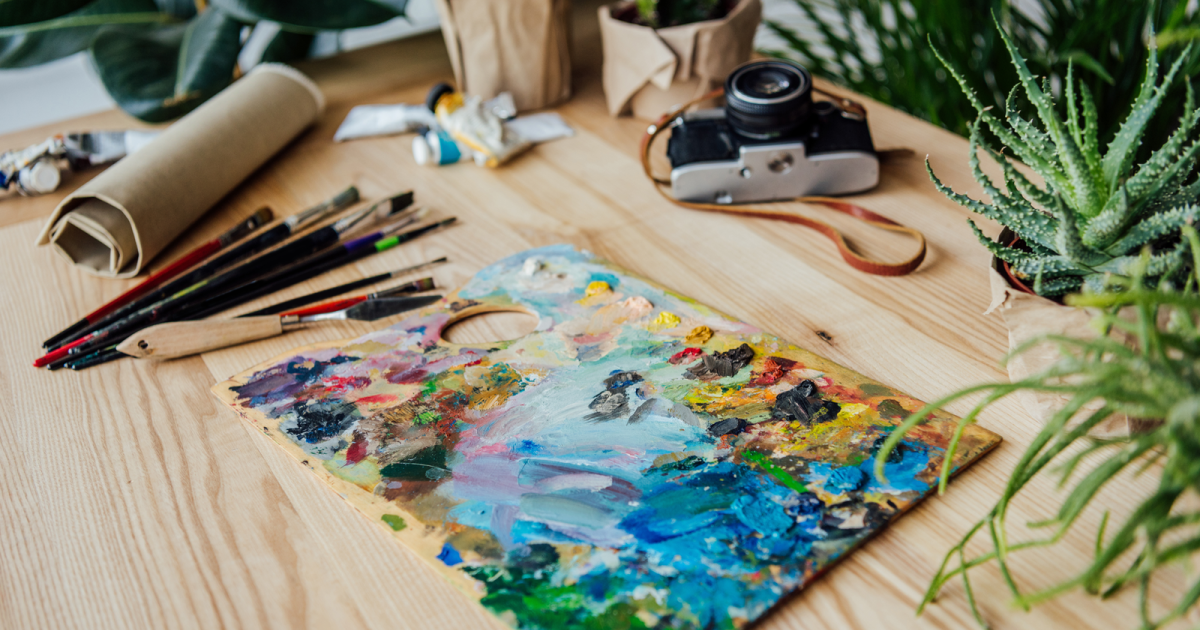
<point>115,224</point>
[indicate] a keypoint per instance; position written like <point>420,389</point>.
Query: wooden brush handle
<point>180,339</point>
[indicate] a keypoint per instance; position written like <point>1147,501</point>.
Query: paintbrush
<point>346,248</point>
<point>284,279</point>
<point>183,263</point>
<point>169,307</point>
<point>416,286</point>
<point>103,355</point>
<point>180,339</point>
<point>340,289</point>
<point>260,242</point>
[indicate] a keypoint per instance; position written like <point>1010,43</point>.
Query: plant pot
<point>517,46</point>
<point>1027,316</point>
<point>648,71</point>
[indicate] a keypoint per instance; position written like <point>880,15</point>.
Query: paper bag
<point>517,46</point>
<point>115,224</point>
<point>1027,317</point>
<point>650,71</point>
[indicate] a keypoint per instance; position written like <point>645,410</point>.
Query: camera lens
<point>768,99</point>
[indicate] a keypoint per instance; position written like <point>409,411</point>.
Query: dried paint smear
<point>639,461</point>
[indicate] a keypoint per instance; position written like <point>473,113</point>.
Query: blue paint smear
<point>607,278</point>
<point>449,555</point>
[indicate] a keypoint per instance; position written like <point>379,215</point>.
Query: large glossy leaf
<point>314,15</point>
<point>162,72</point>
<point>33,44</point>
<point>14,12</point>
<point>184,9</point>
<point>287,46</point>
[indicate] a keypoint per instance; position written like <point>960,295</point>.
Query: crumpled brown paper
<point>117,223</point>
<point>1029,316</point>
<point>649,71</point>
<point>517,46</point>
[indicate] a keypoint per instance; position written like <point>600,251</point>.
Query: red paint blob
<point>356,452</point>
<point>687,355</point>
<point>773,369</point>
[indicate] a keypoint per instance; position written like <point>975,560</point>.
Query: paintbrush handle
<point>180,339</point>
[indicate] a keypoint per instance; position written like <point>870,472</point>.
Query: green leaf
<point>160,73</point>
<point>1121,150</point>
<point>182,9</point>
<point>1082,58</point>
<point>15,12</point>
<point>35,44</point>
<point>288,46</point>
<point>313,15</point>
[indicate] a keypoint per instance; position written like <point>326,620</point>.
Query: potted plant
<point>660,53</point>
<point>1153,375</point>
<point>1091,215</point>
<point>516,46</point>
<point>160,59</point>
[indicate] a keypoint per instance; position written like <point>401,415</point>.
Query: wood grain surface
<point>132,500</point>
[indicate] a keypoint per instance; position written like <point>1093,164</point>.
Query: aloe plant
<point>160,59</point>
<point>879,48</point>
<point>1095,209</point>
<point>1152,375</point>
<point>665,13</point>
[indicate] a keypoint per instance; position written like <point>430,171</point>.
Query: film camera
<point>771,141</point>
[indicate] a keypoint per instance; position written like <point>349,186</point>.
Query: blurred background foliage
<point>159,59</point>
<point>882,49</point>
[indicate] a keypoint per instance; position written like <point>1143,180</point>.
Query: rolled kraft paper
<point>650,71</point>
<point>517,46</point>
<point>118,222</point>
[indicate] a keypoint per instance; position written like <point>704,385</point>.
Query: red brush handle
<point>327,307</point>
<point>184,262</point>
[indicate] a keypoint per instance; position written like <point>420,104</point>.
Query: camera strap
<point>851,257</point>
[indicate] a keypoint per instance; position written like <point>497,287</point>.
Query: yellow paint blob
<point>596,288</point>
<point>665,319</point>
<point>699,335</point>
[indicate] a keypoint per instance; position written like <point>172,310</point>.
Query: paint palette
<point>639,460</point>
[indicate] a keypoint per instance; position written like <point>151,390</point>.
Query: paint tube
<point>35,170</point>
<point>437,148</point>
<point>365,121</point>
<point>469,122</point>
<point>538,128</point>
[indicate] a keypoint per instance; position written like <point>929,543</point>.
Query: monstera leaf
<point>35,44</point>
<point>313,15</point>
<point>162,72</point>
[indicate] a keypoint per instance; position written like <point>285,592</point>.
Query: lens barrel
<point>768,99</point>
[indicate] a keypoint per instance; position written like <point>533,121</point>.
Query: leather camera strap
<point>851,257</point>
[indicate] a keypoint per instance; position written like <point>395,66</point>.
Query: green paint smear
<point>874,389</point>
<point>427,417</point>
<point>427,464</point>
<point>539,603</point>
<point>393,521</point>
<point>775,471</point>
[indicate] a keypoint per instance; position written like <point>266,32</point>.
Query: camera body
<point>771,141</point>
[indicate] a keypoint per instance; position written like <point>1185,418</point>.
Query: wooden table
<point>132,499</point>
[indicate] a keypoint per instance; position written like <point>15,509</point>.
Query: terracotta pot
<point>517,46</point>
<point>648,71</point>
